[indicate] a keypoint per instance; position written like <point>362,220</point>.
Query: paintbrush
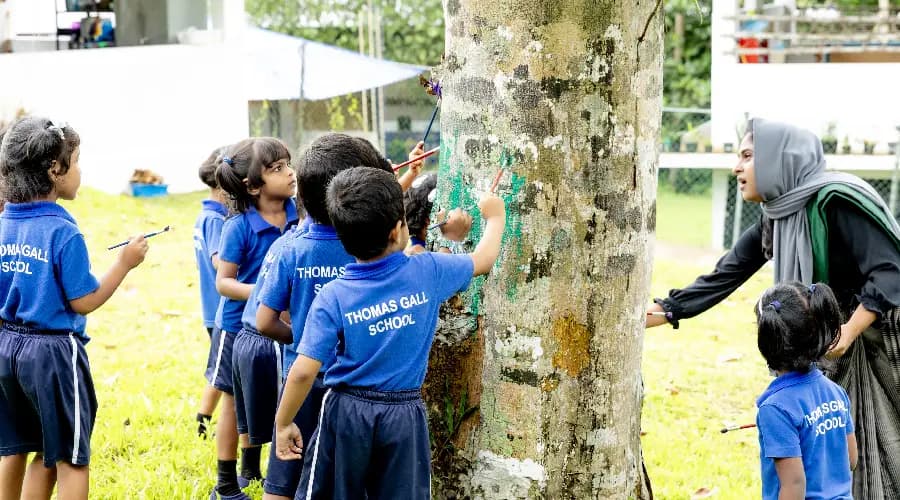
<point>424,155</point>
<point>737,427</point>
<point>148,235</point>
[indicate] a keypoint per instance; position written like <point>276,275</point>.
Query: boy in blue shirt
<point>308,262</point>
<point>207,231</point>
<point>378,322</point>
<point>806,440</point>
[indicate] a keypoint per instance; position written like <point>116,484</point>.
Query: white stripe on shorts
<point>312,469</point>
<point>278,365</point>
<point>77,437</point>
<point>215,373</point>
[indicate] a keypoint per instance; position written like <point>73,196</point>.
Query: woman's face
<point>746,177</point>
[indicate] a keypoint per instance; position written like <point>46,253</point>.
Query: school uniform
<point>207,231</point>
<point>47,399</point>
<point>256,362</point>
<point>378,320</point>
<point>305,265</point>
<point>806,415</point>
<point>245,240</point>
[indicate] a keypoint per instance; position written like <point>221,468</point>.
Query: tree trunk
<point>534,387</point>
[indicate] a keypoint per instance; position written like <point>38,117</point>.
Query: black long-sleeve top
<point>863,265</point>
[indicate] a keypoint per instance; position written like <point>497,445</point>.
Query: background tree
<point>534,386</point>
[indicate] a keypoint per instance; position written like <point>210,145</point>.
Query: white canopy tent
<point>165,107</point>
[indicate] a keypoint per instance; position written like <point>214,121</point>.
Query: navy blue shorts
<point>47,399</point>
<point>283,476</point>
<point>256,372</point>
<point>368,444</point>
<point>220,377</point>
<point>213,354</point>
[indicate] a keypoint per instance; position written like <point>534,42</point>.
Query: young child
<point>307,262</point>
<point>257,175</point>
<point>378,320</point>
<point>418,203</point>
<point>47,399</point>
<point>806,440</point>
<point>207,231</point>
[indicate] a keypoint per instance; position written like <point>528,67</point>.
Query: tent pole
<point>360,19</point>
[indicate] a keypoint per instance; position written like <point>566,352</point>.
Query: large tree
<point>534,385</point>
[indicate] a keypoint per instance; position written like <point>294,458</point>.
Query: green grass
<point>149,350</point>
<point>683,219</point>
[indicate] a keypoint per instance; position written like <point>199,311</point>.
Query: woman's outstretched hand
<point>654,319</point>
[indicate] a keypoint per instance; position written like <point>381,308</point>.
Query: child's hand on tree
<point>456,225</point>
<point>491,206</point>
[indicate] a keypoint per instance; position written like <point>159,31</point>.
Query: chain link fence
<point>696,183</point>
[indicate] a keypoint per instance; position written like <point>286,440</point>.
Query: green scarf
<point>818,223</point>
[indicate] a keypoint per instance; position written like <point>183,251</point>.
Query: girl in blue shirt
<point>47,399</point>
<point>806,440</point>
<point>257,175</point>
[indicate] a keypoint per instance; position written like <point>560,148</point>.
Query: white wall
<point>162,108</point>
<point>862,99</point>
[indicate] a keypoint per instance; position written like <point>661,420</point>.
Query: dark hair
<point>797,324</point>
<point>364,205</point>
<point>207,170</point>
<point>323,159</point>
<point>418,204</point>
<point>28,150</point>
<point>248,159</point>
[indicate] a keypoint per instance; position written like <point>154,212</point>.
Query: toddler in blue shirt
<point>806,440</point>
<point>47,399</point>
<point>378,323</point>
<point>207,231</point>
<point>257,175</point>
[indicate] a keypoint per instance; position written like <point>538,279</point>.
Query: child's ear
<point>251,191</point>
<point>394,236</point>
<point>55,170</point>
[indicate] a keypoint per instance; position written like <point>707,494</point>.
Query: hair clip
<point>432,195</point>
<point>812,288</point>
<point>775,304</point>
<point>228,161</point>
<point>58,129</point>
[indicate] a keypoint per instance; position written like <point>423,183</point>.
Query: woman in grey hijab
<point>830,227</point>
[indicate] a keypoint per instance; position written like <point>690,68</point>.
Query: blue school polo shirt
<point>43,265</point>
<point>380,319</point>
<point>806,415</point>
<point>246,238</point>
<point>207,231</point>
<point>248,319</point>
<point>306,264</point>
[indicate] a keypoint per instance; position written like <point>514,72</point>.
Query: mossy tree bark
<point>534,387</point>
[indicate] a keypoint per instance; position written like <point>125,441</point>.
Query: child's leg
<point>39,480</point>
<point>209,399</point>
<point>73,481</point>
<point>226,448</point>
<point>257,381</point>
<point>12,472</point>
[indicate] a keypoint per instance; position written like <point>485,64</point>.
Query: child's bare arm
<point>791,477</point>
<point>130,257</point>
<point>269,323</point>
<point>488,248</point>
<point>288,442</point>
<point>415,169</point>
<point>227,284</point>
<point>852,450</point>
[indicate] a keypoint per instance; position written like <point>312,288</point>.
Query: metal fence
<point>739,215</point>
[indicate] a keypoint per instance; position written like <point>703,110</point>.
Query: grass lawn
<point>683,219</point>
<point>149,350</point>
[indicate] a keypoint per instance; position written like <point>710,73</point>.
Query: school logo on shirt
<point>198,239</point>
<point>821,412</point>
<point>20,265</point>
<point>377,311</point>
<point>320,272</point>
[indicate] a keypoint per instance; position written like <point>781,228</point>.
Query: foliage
<point>413,29</point>
<point>686,83</point>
